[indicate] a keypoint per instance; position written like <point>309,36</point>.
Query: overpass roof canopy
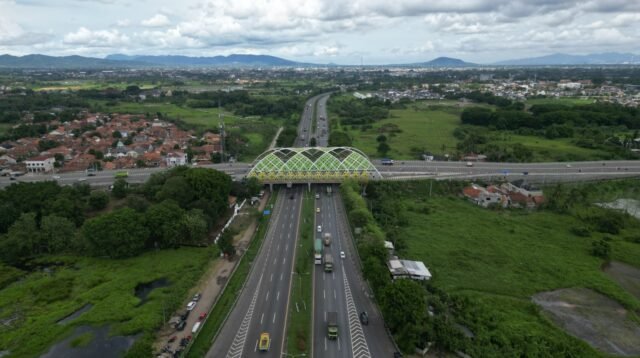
<point>312,164</point>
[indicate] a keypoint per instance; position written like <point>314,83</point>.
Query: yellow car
<point>265,341</point>
<point>317,210</point>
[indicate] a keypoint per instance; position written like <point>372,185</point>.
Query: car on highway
<point>319,228</point>
<point>364,318</point>
<point>469,164</point>
<point>265,342</point>
<point>317,195</point>
<point>317,210</point>
<point>342,255</point>
<point>191,305</point>
<point>568,165</point>
<point>91,174</point>
<point>56,177</point>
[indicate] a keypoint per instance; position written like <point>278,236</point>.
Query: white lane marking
<point>335,296</point>
<point>271,278</point>
<point>338,342</point>
<point>325,343</point>
<point>255,348</point>
<point>324,294</point>
<point>284,259</point>
<point>241,337</point>
<point>278,296</point>
<point>275,259</point>
<point>261,318</point>
<point>286,248</point>
<point>274,318</point>
<point>278,248</point>
<point>359,347</point>
<point>290,225</point>
<point>267,298</point>
<point>281,275</point>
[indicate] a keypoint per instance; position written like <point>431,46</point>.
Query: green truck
<point>332,325</point>
<point>317,252</point>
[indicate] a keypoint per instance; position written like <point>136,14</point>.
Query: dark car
<point>364,318</point>
<point>181,325</point>
<point>397,355</point>
<point>291,197</point>
<point>184,316</point>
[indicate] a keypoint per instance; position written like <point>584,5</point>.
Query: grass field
<point>549,149</point>
<point>300,308</point>
<point>499,259</point>
<point>568,101</point>
<point>225,303</point>
<point>425,129</point>
<point>40,300</point>
<point>4,128</point>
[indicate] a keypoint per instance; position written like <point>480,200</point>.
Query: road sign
<point>266,212</point>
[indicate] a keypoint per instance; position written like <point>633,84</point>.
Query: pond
<point>142,290</point>
<point>631,206</point>
<point>75,314</point>
<point>101,345</point>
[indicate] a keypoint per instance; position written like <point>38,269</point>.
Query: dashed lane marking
<point>241,337</point>
<point>359,347</point>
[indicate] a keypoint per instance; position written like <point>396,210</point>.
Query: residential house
<point>483,197</point>
<point>40,164</point>
<point>174,159</point>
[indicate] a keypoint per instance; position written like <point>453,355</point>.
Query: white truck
<point>327,239</point>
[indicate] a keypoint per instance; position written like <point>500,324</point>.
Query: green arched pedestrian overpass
<point>312,165</point>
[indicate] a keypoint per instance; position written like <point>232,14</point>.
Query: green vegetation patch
<point>300,309</point>
<point>487,264</point>
<point>82,340</point>
<point>108,285</point>
<point>8,274</point>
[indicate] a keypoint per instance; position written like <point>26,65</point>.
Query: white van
<point>319,228</point>
<point>196,327</point>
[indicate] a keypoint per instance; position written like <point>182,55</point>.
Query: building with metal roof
<point>312,165</point>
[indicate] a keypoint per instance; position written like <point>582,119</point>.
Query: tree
<point>57,233</point>
<point>381,138</point>
<point>120,188</point>
<point>176,188</point>
<point>193,227</point>
<point>225,243</point>
<point>116,134</point>
<point>118,234</point>
<point>383,148</point>
<point>163,221</point>
<point>140,163</point>
<point>601,248</point>
<point>339,139</point>
<point>359,217</point>
<point>22,240</point>
<point>403,304</point>
<point>98,200</point>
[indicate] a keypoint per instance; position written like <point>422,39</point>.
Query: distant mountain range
<point>443,62</point>
<point>609,58</point>
<point>231,60</point>
<point>121,61</point>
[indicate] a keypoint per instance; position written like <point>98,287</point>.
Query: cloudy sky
<point>322,31</point>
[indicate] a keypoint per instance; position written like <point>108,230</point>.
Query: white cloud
<point>158,20</point>
<point>123,23</point>
<point>100,38</point>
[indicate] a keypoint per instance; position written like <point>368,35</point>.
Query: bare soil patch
<point>626,276</point>
<point>598,320</point>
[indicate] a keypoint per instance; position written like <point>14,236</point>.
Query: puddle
<point>143,290</point>
<point>101,345</point>
<point>75,314</point>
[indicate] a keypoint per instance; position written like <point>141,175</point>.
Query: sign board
<point>266,212</point>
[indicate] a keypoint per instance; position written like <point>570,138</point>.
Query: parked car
<point>364,318</point>
<point>181,325</point>
<point>196,297</point>
<point>191,305</point>
<point>202,316</point>
<point>185,315</point>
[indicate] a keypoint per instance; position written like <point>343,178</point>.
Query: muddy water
<point>101,345</point>
<point>143,290</point>
<point>75,314</point>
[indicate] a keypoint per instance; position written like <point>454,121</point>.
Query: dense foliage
<point>173,208</point>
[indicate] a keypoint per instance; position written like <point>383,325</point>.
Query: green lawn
<point>549,149</point>
<point>4,128</point>
<point>41,300</point>
<point>300,308</point>
<point>499,259</point>
<point>426,129</point>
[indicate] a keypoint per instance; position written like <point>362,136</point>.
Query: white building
<point>415,270</point>
<point>175,159</point>
<point>40,164</point>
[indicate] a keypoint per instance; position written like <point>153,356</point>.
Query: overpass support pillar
<point>309,186</point>
<point>271,187</point>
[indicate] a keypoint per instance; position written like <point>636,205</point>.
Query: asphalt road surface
<point>305,131</point>
<point>262,305</point>
<point>343,291</point>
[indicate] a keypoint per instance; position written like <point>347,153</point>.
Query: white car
<point>342,255</point>
<point>319,228</point>
<point>191,305</point>
<point>56,177</point>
